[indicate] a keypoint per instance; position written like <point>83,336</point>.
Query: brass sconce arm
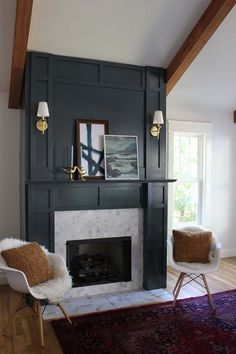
<point>155,130</point>
<point>158,120</point>
<point>42,125</point>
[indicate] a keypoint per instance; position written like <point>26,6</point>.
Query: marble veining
<point>91,224</point>
<point>104,302</point>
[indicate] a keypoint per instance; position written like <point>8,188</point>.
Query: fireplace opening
<point>99,261</point>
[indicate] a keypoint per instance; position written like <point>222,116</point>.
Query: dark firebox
<point>99,261</point>
<point>93,269</point>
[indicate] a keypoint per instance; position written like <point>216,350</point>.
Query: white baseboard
<point>228,253</point>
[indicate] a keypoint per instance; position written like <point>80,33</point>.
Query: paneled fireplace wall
<point>126,96</point>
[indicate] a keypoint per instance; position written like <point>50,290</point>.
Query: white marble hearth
<point>96,303</point>
<point>91,224</point>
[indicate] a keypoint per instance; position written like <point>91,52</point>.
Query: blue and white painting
<point>121,157</point>
<point>92,148</point>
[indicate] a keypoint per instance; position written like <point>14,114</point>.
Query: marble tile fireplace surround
<point>107,223</point>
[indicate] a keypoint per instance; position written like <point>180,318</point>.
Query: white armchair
<point>193,271</point>
<point>51,291</point>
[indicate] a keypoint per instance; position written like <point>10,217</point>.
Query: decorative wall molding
<point>187,126</point>
<point>126,96</point>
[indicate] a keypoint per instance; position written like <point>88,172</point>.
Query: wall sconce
<point>42,124</point>
<point>158,120</point>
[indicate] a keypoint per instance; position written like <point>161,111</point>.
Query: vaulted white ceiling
<point>142,32</point>
<point>210,81</point>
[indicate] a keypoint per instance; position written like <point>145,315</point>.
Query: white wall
<point>223,218</point>
<point>9,167</point>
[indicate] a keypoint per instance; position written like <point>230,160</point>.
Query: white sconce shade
<point>158,120</point>
<point>158,117</point>
<point>42,124</point>
<point>43,110</point>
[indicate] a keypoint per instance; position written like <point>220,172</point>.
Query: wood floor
<point>23,335</point>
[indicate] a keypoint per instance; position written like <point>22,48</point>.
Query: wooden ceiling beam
<point>22,26</point>
<point>203,30</point>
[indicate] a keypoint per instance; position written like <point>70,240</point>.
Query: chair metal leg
<point>177,283</point>
<point>64,312</point>
<point>208,291</point>
<point>180,282</point>
<point>38,308</point>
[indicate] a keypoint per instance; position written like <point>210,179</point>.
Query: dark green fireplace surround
<point>126,96</point>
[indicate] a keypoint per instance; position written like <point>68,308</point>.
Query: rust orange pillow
<point>31,260</point>
<point>192,247</point>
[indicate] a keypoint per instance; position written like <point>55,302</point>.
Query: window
<point>189,163</point>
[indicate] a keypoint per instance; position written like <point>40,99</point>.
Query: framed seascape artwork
<point>121,157</point>
<point>90,146</point>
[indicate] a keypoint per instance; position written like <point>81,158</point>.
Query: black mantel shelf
<point>92,181</point>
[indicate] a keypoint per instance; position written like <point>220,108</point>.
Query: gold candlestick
<point>82,172</point>
<point>70,170</point>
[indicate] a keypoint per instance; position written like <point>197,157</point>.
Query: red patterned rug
<point>190,328</point>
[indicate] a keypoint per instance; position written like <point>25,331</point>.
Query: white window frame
<point>202,130</point>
